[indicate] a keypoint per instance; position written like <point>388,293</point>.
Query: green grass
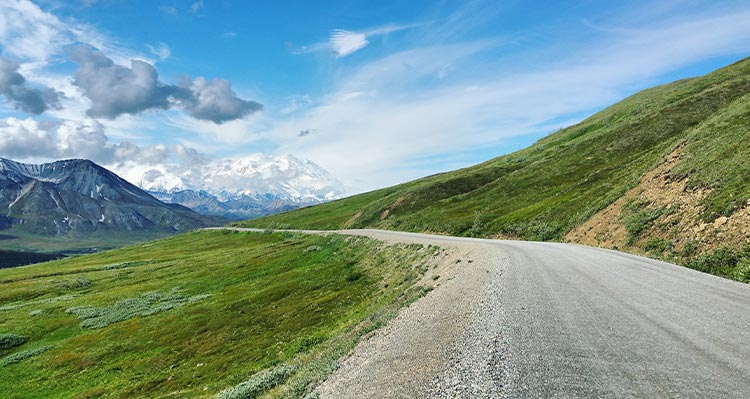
<point>637,219</point>
<point>197,314</point>
<point>726,262</point>
<point>717,156</point>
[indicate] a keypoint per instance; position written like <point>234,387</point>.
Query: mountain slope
<point>545,191</point>
<point>79,199</point>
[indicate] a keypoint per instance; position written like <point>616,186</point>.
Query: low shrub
<point>658,245</point>
<point>742,271</point>
<point>258,384</point>
<point>726,262</point>
<point>312,248</point>
<point>23,355</point>
<point>8,341</point>
<point>637,219</point>
<point>146,305</point>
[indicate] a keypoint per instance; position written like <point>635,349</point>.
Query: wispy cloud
<point>161,51</point>
<point>343,42</point>
<point>401,112</point>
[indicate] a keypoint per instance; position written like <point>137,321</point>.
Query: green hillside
<point>546,190</point>
<point>193,315</point>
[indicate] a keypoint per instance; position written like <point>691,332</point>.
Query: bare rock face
<point>80,197</point>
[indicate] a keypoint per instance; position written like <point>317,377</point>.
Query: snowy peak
<point>256,175</point>
<point>286,177</point>
<point>246,187</point>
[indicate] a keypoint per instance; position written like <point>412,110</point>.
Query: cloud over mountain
<point>31,139</point>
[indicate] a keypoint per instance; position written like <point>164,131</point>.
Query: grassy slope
<point>717,156</point>
<point>276,300</point>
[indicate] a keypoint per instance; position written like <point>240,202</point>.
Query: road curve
<point>531,319</point>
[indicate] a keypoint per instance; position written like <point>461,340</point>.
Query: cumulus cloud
<point>115,90</point>
<point>15,88</point>
<point>149,155</point>
<point>84,139</point>
<point>215,101</point>
<point>159,165</point>
<point>24,139</point>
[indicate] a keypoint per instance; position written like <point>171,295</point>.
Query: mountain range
<point>244,188</point>
<point>79,200</point>
<point>662,173</point>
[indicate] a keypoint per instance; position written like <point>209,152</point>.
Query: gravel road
<point>530,319</point>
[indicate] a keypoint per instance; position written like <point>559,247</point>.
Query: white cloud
<point>161,51</point>
<point>24,138</point>
<point>35,37</point>
<point>28,139</point>
<point>343,42</point>
<point>28,33</point>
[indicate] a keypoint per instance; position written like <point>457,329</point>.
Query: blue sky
<point>376,92</point>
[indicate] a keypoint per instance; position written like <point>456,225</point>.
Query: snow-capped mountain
<point>247,187</point>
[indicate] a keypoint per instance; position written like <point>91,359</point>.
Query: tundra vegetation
<point>204,314</point>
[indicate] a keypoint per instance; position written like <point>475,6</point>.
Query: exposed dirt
<point>679,224</point>
<point>387,211</point>
<point>349,223</point>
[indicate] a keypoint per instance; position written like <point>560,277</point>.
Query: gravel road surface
<point>530,319</point>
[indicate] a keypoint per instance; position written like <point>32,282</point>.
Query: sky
<point>377,93</point>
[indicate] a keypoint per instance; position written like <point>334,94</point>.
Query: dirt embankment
<point>670,217</point>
